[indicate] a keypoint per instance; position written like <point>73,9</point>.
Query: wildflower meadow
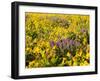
<point>56,40</point>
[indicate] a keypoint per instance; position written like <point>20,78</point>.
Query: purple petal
<point>58,44</point>
<point>52,43</point>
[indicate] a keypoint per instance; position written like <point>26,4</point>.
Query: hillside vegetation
<point>54,40</point>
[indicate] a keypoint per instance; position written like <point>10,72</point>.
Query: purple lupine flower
<point>52,43</point>
<point>64,42</point>
<point>67,40</point>
<point>71,42</point>
<point>58,43</point>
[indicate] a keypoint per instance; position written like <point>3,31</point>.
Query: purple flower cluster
<point>58,44</point>
<point>65,43</point>
<point>52,43</point>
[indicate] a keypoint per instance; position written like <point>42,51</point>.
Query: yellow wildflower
<point>36,50</point>
<point>68,54</point>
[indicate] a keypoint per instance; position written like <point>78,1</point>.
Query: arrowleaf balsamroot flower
<point>56,40</point>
